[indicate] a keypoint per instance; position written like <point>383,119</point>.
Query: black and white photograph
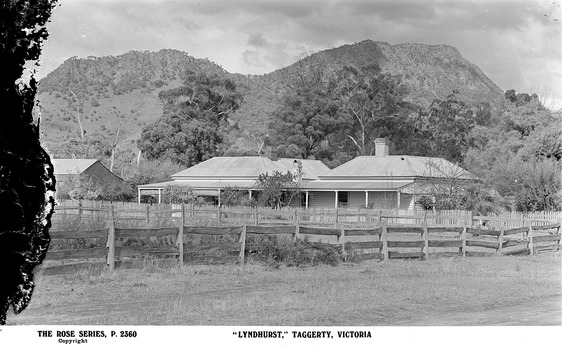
<point>254,173</point>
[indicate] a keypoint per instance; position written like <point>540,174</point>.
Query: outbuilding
<point>67,170</point>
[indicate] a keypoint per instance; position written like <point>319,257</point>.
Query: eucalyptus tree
<point>371,99</point>
<point>195,120</point>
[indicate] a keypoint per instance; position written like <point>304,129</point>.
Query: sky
<point>516,43</point>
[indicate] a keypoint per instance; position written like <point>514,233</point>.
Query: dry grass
<point>371,293</point>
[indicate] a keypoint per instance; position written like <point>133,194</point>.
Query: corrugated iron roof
<point>219,167</point>
<point>311,168</point>
<point>72,166</point>
<point>399,166</point>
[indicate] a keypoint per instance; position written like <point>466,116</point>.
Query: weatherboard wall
<point>321,199</point>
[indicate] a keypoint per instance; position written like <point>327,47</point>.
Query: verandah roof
<point>202,184</point>
<point>306,186</point>
<point>355,185</point>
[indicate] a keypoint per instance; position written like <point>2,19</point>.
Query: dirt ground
<point>547,312</point>
<point>544,312</point>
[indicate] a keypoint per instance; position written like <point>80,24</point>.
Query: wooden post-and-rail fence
<point>387,241</point>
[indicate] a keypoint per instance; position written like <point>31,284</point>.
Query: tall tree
<point>450,123</point>
<point>26,171</point>
<point>195,119</point>
<point>305,123</point>
<point>519,153</point>
<point>371,99</point>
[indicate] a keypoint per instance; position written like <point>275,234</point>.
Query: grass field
<point>372,293</point>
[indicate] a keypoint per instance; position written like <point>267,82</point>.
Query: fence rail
<point>164,214</point>
<point>383,240</point>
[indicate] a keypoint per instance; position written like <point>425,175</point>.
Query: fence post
<point>462,249</point>
<point>219,214</point>
<point>80,210</point>
<point>425,249</point>
<point>336,219</point>
<point>341,238</point>
<point>297,226</point>
<point>179,241</point>
<point>111,241</point>
<point>242,241</point>
<point>147,215</point>
<point>384,249</point>
<point>257,216</point>
<point>558,233</point>
<point>530,244</point>
<point>500,243</point>
<point>380,217</point>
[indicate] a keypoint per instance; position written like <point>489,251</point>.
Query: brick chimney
<point>381,147</point>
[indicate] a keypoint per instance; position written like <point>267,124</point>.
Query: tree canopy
<point>371,99</point>
<point>195,119</point>
<point>306,122</point>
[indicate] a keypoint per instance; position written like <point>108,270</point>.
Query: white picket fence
<point>314,216</point>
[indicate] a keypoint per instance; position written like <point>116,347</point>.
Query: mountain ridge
<point>122,91</point>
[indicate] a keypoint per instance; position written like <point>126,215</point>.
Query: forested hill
<point>111,91</point>
<point>123,90</point>
<point>430,71</point>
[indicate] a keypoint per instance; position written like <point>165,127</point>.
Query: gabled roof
<point>398,166</point>
<point>311,168</point>
<point>72,166</point>
<point>220,167</point>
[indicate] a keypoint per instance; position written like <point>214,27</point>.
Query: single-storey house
<point>379,181</point>
<point>208,178</point>
<point>383,180</point>
<point>65,169</point>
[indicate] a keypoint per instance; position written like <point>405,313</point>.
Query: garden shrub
<point>275,250</point>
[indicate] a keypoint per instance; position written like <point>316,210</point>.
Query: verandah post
<point>111,241</point>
